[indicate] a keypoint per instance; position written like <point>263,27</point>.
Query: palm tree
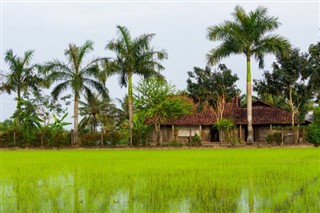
<point>134,56</point>
<point>76,76</point>
<point>247,34</point>
<point>92,108</point>
<point>21,77</point>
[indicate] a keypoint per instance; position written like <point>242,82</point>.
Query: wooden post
<point>282,136</point>
<point>172,133</point>
<point>240,131</point>
<point>200,135</point>
<point>270,128</point>
<point>190,136</point>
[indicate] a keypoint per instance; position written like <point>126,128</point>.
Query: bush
<point>275,137</point>
<point>195,140</point>
<point>270,139</point>
<point>90,139</point>
<point>313,134</point>
<point>313,130</point>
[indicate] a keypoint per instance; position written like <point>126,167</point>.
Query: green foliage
<point>55,137</point>
<point>90,139</point>
<point>156,101</point>
<point>59,124</point>
<point>313,130</point>
<point>313,134</point>
<point>134,56</point>
<point>274,138</point>
<point>195,140</point>
<point>22,78</point>
<point>224,124</point>
<point>6,125</point>
<point>285,81</point>
<point>22,138</point>
<point>270,139</point>
<point>214,88</point>
<point>76,75</point>
<point>142,131</point>
<point>248,34</point>
<point>314,65</point>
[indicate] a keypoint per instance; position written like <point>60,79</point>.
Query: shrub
<point>313,130</point>
<point>195,140</point>
<point>224,125</point>
<point>275,137</point>
<point>270,139</point>
<point>313,134</point>
<point>90,139</point>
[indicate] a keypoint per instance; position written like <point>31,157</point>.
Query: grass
<point>195,180</point>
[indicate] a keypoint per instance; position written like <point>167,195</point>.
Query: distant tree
<point>29,118</point>
<point>275,100</point>
<point>286,80</point>
<point>212,87</point>
<point>156,101</point>
<point>247,34</point>
<point>77,76</point>
<point>91,109</point>
<point>22,77</point>
<point>134,56</point>
<point>314,71</point>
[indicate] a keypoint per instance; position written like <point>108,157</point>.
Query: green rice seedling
<point>183,180</point>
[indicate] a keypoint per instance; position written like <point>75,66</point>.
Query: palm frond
<point>60,88</point>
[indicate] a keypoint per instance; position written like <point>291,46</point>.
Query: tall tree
<point>247,34</point>
<point>156,100</point>
<point>77,76</point>
<point>134,56</point>
<point>212,87</point>
<point>21,77</point>
<point>286,80</point>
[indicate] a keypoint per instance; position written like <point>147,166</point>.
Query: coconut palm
<point>134,56</point>
<point>247,34</point>
<point>21,77</point>
<point>77,76</point>
<point>92,108</point>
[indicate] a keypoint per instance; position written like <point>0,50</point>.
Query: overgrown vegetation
<point>313,130</point>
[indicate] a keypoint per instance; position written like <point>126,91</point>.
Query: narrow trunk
<point>94,123</point>
<point>292,114</point>
<point>130,107</point>
<point>75,122</point>
<point>17,120</point>
<point>249,103</point>
<point>291,106</point>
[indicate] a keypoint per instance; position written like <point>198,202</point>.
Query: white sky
<point>180,28</point>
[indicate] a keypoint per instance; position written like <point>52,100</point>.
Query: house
<point>265,118</point>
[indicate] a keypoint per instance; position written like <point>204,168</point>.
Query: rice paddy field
<point>183,180</point>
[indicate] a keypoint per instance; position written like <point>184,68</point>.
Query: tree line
<point>292,84</point>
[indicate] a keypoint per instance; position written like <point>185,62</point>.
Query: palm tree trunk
<point>249,102</point>
<point>130,107</point>
<point>18,108</point>
<point>75,121</point>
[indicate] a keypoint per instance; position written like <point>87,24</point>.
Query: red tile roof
<point>262,113</point>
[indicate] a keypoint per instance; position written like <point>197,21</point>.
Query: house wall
<point>184,133</point>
